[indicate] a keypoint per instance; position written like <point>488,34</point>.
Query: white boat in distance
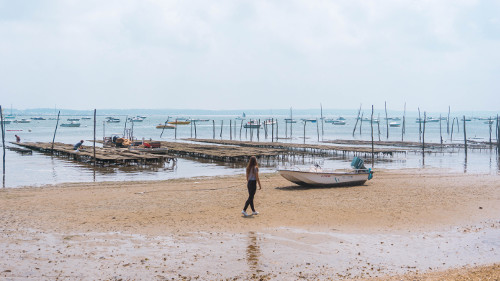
<point>320,178</point>
<point>70,124</point>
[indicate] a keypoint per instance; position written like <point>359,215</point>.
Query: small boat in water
<point>22,121</point>
<point>290,120</point>
<point>86,118</point>
<point>318,177</point>
<point>180,122</point>
<point>253,124</point>
<point>38,118</point>
<point>112,120</point>
<point>73,119</point>
<point>70,124</point>
<point>165,126</point>
<point>394,124</point>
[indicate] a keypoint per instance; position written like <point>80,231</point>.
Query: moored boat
<point>70,124</point>
<point>394,124</point>
<point>253,124</point>
<point>165,126</point>
<point>321,178</point>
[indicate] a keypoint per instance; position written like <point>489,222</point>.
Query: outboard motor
<point>358,163</point>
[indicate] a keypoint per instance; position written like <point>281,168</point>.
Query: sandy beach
<point>405,224</point>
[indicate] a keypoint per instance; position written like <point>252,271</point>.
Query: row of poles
<point>53,140</point>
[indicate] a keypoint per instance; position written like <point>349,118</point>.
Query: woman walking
<point>252,180</point>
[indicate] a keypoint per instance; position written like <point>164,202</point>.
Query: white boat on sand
<point>319,177</point>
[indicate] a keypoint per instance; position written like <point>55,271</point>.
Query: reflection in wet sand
<point>253,252</point>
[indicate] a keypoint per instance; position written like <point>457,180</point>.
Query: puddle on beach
<point>286,253</point>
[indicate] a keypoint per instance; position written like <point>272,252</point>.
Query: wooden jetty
<point>220,152</point>
<point>20,150</point>
<point>418,145</point>
<point>103,156</point>
<point>307,148</point>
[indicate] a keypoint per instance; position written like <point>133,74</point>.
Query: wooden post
<point>404,122</point>
<point>258,131</point>
<point>191,125</point>
<point>53,139</point>
<point>3,145</point>
<point>95,126</point>
<point>452,125</point>
<point>490,124</point>
<point>175,130</point>
<point>221,126</point>
<point>163,129</point>
<point>213,126</point>
<point>448,121</point>
<point>132,132</point>
<point>195,134</point>
<point>291,123</point>
<point>272,129</point>
<point>125,127</point>
<point>373,150</point>
<point>241,127</point>
<point>498,135</point>
<point>361,123</point>
<point>230,129</point>
<point>378,127</point>
<point>419,126</point>
<point>423,134</point>
<point>465,139</point>
<point>286,128</point>
<point>386,120</point>
<point>305,121</point>
<point>317,128</point>
<point>277,131</point>
<point>440,132</point>
<point>357,119</point>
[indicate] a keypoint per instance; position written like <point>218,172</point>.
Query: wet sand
<point>415,222</point>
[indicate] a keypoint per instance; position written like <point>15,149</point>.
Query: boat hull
<point>324,179</point>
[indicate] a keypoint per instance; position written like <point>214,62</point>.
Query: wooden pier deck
<point>311,148</point>
<point>220,152</point>
<point>104,156</point>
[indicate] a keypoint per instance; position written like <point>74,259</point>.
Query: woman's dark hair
<point>252,163</point>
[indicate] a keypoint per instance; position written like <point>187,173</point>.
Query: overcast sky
<point>250,54</point>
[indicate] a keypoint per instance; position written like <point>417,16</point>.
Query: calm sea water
<point>40,169</point>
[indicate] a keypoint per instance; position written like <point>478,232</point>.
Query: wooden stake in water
<point>175,129</point>
<point>213,126</point>
<point>95,126</point>
<point>272,129</point>
<point>305,131</point>
<point>448,121</point>
<point>163,129</point>
<point>386,120</point>
<point>221,126</point>
<point>195,134</point>
<point>423,134</point>
<point>419,126</point>
<point>317,128</point>
<point>277,131</point>
<point>3,145</point>
<point>230,129</point>
<point>373,154</point>
<point>357,119</point>
<point>378,127</point>
<point>53,139</point>
<point>465,139</point>
<point>440,133</point>
<point>241,127</point>
<point>361,123</point>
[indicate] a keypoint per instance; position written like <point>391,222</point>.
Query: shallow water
<point>284,253</point>
<point>39,169</point>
